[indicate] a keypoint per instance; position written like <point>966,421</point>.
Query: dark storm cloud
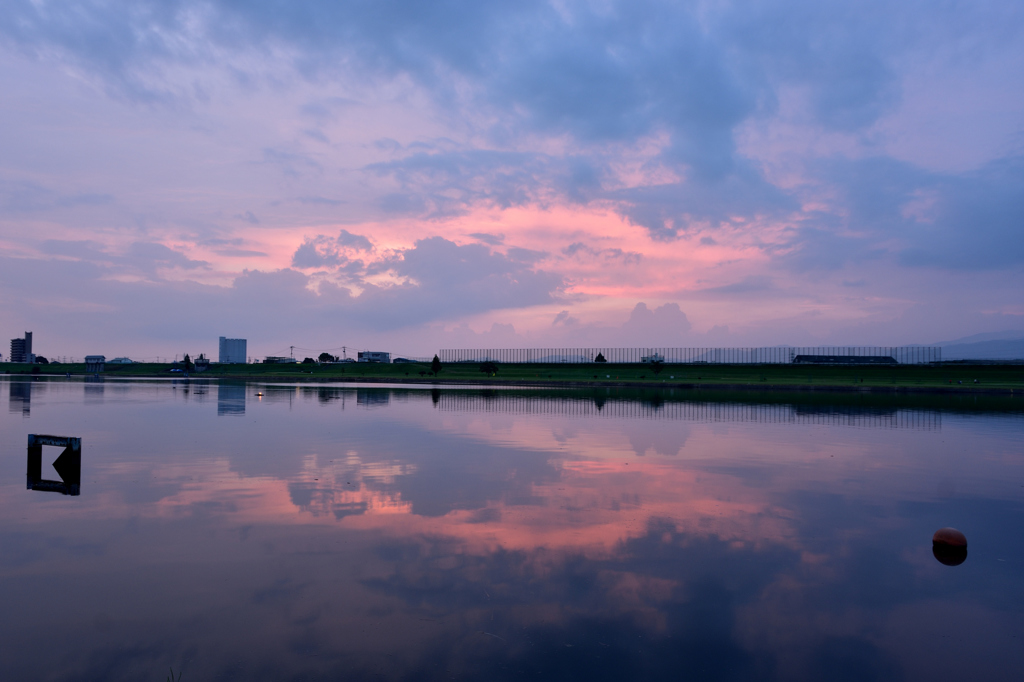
<point>240,253</point>
<point>355,241</point>
<point>670,209</point>
<point>325,252</point>
<point>749,285</point>
<point>667,319</point>
<point>141,256</point>
<point>151,255</point>
<point>439,280</point>
<point>492,239</point>
<point>612,70</point>
<point>585,83</point>
<point>582,251</point>
<point>968,221</point>
<point>607,73</point>
<point>291,164</point>
<point>454,280</point>
<point>82,249</point>
<point>440,183</point>
<point>24,197</point>
<point>521,255</point>
<point>841,53</point>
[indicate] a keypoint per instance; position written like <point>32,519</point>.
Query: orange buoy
<point>949,536</point>
<point>949,546</point>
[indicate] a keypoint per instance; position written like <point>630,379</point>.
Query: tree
<point>40,360</point>
<point>657,366</point>
<point>435,365</point>
<point>600,358</point>
<point>489,368</point>
<point>188,363</point>
<point>308,361</point>
<point>326,357</point>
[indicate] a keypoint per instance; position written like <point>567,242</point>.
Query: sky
<point>410,176</point>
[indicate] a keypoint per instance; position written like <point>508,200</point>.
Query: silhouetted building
<point>94,363</point>
<point>374,356</point>
<point>232,351</point>
<point>278,360</point>
<point>202,363</point>
<point>21,349</point>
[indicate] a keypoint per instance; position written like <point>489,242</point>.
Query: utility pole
<point>344,353</point>
<point>291,350</point>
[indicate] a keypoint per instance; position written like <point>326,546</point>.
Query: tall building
<point>232,351</point>
<point>21,349</point>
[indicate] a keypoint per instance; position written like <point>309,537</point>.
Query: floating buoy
<point>949,546</point>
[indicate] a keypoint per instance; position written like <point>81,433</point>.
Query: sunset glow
<point>509,175</point>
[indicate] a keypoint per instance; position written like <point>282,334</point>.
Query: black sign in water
<point>68,464</point>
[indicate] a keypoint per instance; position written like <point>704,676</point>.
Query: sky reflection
<point>324,532</point>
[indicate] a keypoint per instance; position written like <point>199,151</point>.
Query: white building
<point>374,356</point>
<point>232,351</point>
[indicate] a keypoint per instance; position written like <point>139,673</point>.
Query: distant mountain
<point>996,349</point>
<point>1007,335</point>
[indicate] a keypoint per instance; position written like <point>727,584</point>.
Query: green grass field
<point>953,376</point>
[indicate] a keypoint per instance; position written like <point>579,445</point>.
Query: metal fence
<point>704,412</point>
<point>904,355</point>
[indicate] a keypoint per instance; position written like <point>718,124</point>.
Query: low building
<point>232,351</point>
<point>278,360</point>
<point>844,360</point>
<point>94,363</point>
<point>374,356</point>
<point>121,361</point>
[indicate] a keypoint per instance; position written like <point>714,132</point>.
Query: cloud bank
<point>398,171</point>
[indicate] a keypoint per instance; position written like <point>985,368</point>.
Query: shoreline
<point>954,390</point>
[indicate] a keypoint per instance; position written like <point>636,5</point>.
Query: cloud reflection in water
<point>320,535</point>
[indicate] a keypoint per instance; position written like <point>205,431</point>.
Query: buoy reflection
<point>949,546</point>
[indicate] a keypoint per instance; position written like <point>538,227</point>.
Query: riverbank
<point>950,378</point>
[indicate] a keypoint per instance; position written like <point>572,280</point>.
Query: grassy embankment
<point>758,377</point>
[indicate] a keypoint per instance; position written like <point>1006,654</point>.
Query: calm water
<point>334,532</point>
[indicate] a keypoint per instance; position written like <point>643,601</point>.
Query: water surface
<point>376,533</point>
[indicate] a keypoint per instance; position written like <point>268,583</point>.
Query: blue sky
<point>414,175</point>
